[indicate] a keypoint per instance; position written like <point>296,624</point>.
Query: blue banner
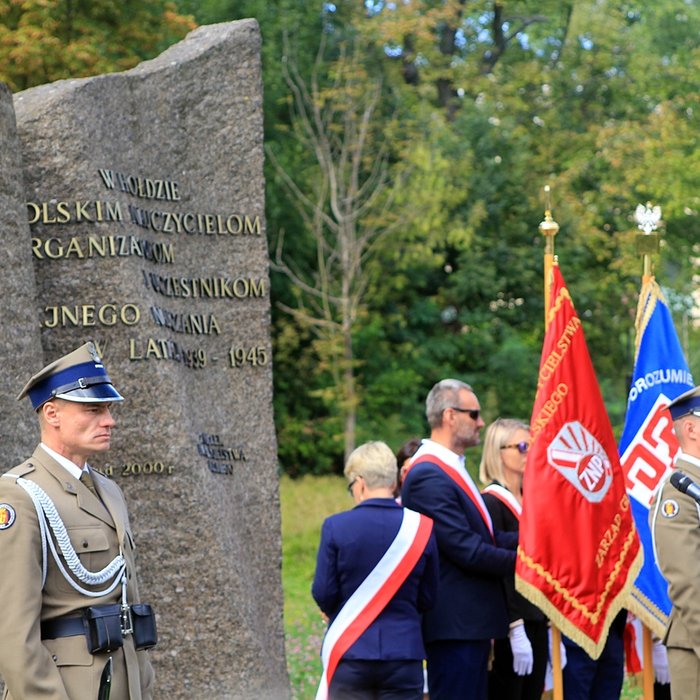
<point>648,445</point>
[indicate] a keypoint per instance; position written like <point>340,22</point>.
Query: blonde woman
<point>520,660</point>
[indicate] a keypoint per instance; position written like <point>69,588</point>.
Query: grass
<point>306,502</point>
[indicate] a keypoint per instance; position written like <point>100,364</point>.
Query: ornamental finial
<point>548,227</point>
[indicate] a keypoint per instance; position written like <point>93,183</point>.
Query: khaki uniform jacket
<point>674,519</point>
<point>62,669</point>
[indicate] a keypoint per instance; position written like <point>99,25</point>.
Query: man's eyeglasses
<point>473,412</point>
<point>522,447</point>
<point>352,483</point>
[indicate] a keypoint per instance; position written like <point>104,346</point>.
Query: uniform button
<point>54,657</point>
<point>85,543</point>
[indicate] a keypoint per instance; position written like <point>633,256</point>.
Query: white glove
<point>562,648</point>
<point>522,650</point>
<point>659,659</point>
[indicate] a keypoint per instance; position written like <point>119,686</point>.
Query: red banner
<point>579,552</point>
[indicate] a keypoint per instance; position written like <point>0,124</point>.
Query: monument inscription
<point>144,226</point>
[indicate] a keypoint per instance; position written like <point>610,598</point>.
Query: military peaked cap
<point>685,404</point>
<point>78,376</point>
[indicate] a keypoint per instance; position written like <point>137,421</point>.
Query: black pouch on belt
<point>104,631</point>
<point>144,622</point>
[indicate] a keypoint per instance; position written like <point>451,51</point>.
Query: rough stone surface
<point>19,316</point>
<point>195,449</point>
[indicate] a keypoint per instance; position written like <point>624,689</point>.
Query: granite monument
<point>132,212</point>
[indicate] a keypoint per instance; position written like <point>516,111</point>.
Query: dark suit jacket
<point>503,519</point>
<point>351,545</point>
<point>471,602</point>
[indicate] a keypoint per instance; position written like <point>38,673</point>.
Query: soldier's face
<point>83,428</point>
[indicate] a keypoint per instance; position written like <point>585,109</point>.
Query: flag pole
<point>647,218</point>
<point>549,228</point>
<point>648,664</point>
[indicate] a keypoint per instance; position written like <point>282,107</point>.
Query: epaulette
<point>25,468</point>
<point>21,469</point>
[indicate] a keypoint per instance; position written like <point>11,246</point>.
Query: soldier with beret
<point>69,600</point>
<point>675,523</point>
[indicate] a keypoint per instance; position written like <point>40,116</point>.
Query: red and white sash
<point>466,485</point>
<point>374,593</point>
<point>505,497</point>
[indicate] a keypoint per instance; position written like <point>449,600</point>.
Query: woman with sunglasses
<point>520,661</point>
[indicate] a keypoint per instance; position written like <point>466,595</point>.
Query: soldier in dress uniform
<point>68,593</point>
<point>675,524</point>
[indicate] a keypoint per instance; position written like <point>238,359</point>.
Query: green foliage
<point>46,40</point>
<point>485,103</point>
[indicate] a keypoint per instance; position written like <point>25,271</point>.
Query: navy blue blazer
<point>471,603</point>
<point>352,543</point>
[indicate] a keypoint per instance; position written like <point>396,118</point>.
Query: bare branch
<point>346,203</point>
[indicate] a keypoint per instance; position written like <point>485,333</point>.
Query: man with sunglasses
<point>474,558</point>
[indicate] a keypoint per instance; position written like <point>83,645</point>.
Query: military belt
<point>105,626</point>
<point>62,627</point>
